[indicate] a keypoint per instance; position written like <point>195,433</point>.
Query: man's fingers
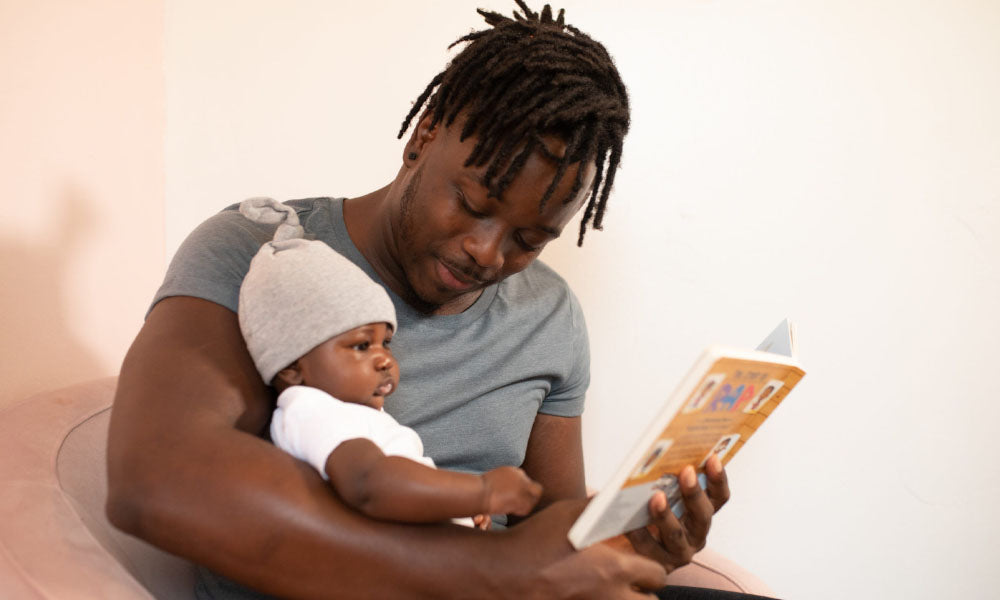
<point>673,550</point>
<point>646,540</point>
<point>718,482</point>
<point>671,541</point>
<point>698,509</point>
<point>604,571</point>
<point>647,543</point>
<point>644,573</point>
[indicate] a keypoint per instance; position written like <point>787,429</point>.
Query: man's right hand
<point>599,571</point>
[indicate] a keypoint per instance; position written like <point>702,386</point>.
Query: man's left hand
<point>671,541</point>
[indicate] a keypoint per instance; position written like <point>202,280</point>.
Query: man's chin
<point>445,298</point>
<point>434,294</point>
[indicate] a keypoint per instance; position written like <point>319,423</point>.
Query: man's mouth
<point>457,279</point>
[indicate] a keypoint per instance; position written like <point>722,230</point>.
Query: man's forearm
<point>276,527</point>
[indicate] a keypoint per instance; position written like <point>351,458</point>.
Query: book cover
<point>717,407</point>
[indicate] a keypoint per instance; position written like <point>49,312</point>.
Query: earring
<point>412,156</point>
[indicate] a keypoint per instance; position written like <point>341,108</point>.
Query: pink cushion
<point>55,541</point>
<point>712,570</point>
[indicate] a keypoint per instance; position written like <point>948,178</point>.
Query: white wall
<point>81,185</point>
<point>836,162</point>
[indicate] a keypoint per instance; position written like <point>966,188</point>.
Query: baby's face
<point>356,366</point>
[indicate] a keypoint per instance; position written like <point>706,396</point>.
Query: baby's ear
<point>287,377</point>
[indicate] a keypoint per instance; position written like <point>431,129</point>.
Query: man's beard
<point>406,224</point>
<point>407,227</point>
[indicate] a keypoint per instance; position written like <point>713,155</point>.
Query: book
<point>716,408</point>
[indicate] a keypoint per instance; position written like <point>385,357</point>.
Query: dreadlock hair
<point>529,77</point>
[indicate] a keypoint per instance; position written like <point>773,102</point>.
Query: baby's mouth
<point>384,389</point>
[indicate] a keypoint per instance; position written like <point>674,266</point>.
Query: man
<point>522,129</point>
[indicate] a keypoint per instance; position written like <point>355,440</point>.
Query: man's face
<point>453,239</point>
<point>355,366</point>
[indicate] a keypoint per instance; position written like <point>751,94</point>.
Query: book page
<point>781,340</point>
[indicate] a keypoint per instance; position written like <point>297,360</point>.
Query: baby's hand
<point>509,490</point>
<point>482,522</point>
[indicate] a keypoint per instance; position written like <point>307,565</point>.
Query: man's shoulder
<point>213,259</point>
<point>538,281</point>
<point>230,233</point>
<point>307,209</point>
<point>539,295</point>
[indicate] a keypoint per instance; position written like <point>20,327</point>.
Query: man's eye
<point>469,208</point>
<point>525,245</point>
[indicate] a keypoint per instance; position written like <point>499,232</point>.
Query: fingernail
<point>688,479</point>
<point>716,463</point>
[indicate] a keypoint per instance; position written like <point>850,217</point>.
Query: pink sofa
<point>56,543</point>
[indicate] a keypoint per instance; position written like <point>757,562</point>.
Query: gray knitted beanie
<point>299,293</point>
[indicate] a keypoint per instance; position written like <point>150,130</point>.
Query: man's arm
<point>554,458</point>
<point>188,473</point>
<point>399,489</point>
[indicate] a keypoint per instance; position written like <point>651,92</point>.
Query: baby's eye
<point>362,346</point>
<point>386,343</point>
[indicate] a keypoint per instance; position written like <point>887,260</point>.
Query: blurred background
<point>837,163</point>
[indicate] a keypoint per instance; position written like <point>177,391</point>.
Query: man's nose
<point>485,246</point>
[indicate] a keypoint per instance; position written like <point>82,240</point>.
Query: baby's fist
<point>509,490</point>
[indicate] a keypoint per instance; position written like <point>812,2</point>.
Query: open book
<point>721,402</point>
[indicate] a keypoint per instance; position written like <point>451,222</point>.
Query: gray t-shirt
<point>470,384</point>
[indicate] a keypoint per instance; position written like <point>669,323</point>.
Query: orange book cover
<point>717,407</point>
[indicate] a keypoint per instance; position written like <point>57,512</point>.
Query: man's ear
<point>287,377</point>
<point>422,134</point>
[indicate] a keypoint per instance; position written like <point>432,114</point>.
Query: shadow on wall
<point>39,350</point>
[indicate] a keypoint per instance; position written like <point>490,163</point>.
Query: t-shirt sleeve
<point>567,395</point>
<point>213,260</point>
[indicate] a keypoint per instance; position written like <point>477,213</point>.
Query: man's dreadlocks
<point>529,77</point>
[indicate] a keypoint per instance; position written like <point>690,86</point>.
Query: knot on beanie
<point>299,293</point>
<point>269,212</point>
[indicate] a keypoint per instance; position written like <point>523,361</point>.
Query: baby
<point>318,329</point>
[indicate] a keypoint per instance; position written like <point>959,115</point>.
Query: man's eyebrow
<point>474,177</point>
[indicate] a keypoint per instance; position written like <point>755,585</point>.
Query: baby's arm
<point>399,489</point>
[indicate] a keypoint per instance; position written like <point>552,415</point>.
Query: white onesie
<point>309,424</point>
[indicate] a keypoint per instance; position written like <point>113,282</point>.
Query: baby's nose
<point>383,361</point>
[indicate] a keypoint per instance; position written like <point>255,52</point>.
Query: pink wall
<point>81,244</point>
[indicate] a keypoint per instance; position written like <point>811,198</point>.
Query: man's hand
<point>510,490</point>
<point>671,541</point>
<point>555,570</point>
